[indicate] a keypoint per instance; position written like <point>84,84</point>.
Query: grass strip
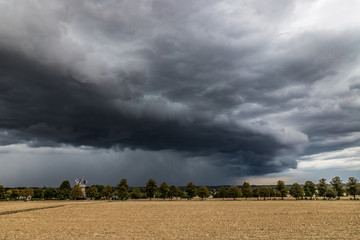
<point>28,210</point>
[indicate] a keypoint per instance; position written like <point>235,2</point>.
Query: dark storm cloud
<point>43,106</point>
<point>214,80</point>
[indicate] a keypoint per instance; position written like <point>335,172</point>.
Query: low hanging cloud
<point>245,87</point>
<point>52,109</point>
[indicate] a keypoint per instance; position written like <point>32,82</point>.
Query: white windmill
<point>82,184</point>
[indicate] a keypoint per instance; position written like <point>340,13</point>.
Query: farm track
<point>29,210</point>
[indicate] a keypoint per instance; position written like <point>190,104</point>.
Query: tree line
<point>335,189</point>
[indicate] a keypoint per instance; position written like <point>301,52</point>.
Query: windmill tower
<point>82,184</point>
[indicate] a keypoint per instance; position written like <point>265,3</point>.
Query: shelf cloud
<point>247,87</point>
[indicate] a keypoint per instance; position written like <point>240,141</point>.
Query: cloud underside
<point>45,108</point>
<point>243,87</point>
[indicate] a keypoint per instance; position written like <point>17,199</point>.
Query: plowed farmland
<point>180,220</point>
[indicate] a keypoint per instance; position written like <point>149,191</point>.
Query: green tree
<point>203,192</point>
<point>122,190</point>
<point>256,193</point>
<point>157,194</point>
<point>136,193</point>
<point>8,193</point>
<point>222,193</point>
<point>174,192</point>
<point>272,192</point>
<point>183,194</point>
<point>309,189</point>
<point>124,183</point>
<point>151,188</point>
<point>282,189</point>
<point>264,192</point>
<point>64,190</point>
<point>352,186</point>
<point>13,193</point>
<point>330,193</point>
<point>191,190</point>
<point>246,190</point>
<point>92,192</point>
<point>107,192</point>
<point>164,190</point>
<point>38,193</point>
<point>50,193</point>
<point>322,187</point>
<point>122,193</point>
<point>234,192</point>
<point>26,192</point>
<point>100,188</point>
<point>338,186</point>
<point>2,192</point>
<point>76,192</point>
<point>296,191</point>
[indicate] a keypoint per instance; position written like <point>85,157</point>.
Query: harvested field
<point>182,220</point>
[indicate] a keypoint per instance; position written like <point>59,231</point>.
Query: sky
<point>214,92</point>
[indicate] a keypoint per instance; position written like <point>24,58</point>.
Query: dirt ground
<point>180,220</point>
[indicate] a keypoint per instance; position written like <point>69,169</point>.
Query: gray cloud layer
<point>228,82</point>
